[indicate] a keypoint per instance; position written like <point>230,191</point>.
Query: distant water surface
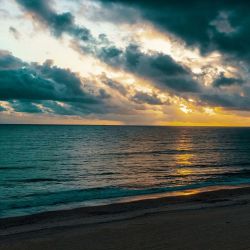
<point>46,168</point>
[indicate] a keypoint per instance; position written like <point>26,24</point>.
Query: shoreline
<point>214,220</point>
<point>128,208</point>
<point>86,205</point>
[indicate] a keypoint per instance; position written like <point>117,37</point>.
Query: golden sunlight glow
<point>185,109</point>
<point>184,159</point>
<point>207,68</point>
<point>209,111</point>
<point>184,172</point>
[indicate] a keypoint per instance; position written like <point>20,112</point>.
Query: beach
<point>207,220</point>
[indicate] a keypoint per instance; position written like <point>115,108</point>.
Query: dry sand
<point>211,220</point>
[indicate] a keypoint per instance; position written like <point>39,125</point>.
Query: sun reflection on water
<point>184,159</point>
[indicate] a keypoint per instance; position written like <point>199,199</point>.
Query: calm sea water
<point>53,167</point>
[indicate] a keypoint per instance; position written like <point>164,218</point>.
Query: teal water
<point>46,168</point>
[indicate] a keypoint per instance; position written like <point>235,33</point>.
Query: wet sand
<point>208,220</point>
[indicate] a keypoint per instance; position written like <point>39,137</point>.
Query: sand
<point>208,220</point>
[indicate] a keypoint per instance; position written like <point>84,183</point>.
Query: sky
<point>125,62</point>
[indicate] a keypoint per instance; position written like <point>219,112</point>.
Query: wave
<point>34,180</point>
<point>92,194</point>
<point>14,168</point>
<point>176,151</point>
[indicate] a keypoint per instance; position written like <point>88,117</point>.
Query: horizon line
<point>120,125</point>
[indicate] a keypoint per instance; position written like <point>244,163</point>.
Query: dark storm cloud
<point>19,80</point>
<point>74,108</point>
<point>223,81</point>
<point>25,106</point>
<point>227,101</point>
<point>59,23</point>
<point>45,88</point>
<point>35,88</point>
<point>8,61</point>
<point>210,25</point>
<point>159,68</point>
<point>141,98</point>
<point>52,107</point>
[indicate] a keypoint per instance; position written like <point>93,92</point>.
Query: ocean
<point>45,168</point>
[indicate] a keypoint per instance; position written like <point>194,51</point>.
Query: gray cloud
<point>114,85</point>
<point>220,25</point>
<point>19,80</point>
<point>223,81</point>
<point>25,106</point>
<point>228,101</point>
<point>14,32</point>
<point>59,23</point>
<point>177,18</point>
<point>8,61</point>
<point>142,98</point>
<point>226,33</point>
<point>37,88</point>
<point>45,88</point>
<point>159,68</point>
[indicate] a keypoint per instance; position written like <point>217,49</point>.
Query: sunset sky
<point>116,62</point>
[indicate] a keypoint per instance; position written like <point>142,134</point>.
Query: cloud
<point>2,108</point>
<point>114,85</point>
<point>221,26</point>
<point>96,12</point>
<point>46,88</point>
<point>209,25</point>
<point>38,88</point>
<point>20,80</point>
<point>25,106</point>
<point>161,69</point>
<point>133,95</point>
<point>223,81</point>
<point>8,61</point>
<point>142,98</point>
<point>14,32</point>
<point>59,23</point>
<point>227,101</point>
<point>222,23</point>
